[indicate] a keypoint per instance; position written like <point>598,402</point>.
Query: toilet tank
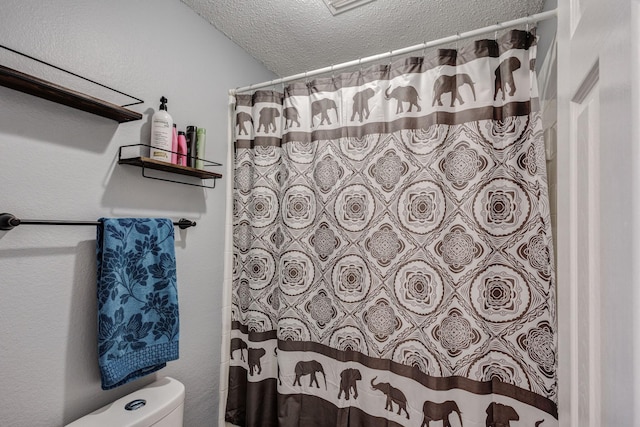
<point>160,404</point>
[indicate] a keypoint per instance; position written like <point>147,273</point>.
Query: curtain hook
<point>495,36</point>
<point>457,38</point>
<point>424,48</point>
<point>390,57</point>
<point>360,65</point>
<point>333,76</point>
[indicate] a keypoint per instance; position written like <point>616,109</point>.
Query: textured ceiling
<point>294,36</point>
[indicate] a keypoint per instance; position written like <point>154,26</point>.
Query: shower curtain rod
<point>460,36</point>
<point>9,222</point>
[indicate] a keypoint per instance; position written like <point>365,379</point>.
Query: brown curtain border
<point>434,383</point>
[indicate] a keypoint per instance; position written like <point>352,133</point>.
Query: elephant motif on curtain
<point>322,107</point>
<point>504,77</point>
<point>403,94</point>
<point>267,119</point>
<point>242,118</point>
<point>452,84</point>
<point>291,116</point>
<point>361,104</point>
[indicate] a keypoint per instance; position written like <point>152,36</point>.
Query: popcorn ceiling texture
<point>294,36</point>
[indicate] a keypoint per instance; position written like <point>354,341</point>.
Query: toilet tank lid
<point>161,398</point>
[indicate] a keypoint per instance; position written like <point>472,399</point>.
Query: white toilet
<point>160,404</point>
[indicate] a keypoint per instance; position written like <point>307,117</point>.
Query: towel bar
<point>9,221</point>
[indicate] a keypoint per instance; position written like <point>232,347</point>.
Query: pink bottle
<point>182,149</point>
<point>174,145</point>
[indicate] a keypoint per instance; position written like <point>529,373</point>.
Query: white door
<point>597,178</point>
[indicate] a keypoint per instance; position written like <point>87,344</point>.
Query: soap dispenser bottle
<point>161,133</point>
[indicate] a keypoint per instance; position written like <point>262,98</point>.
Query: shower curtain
<point>392,255</point>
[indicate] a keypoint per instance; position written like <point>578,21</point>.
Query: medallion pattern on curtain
<point>392,247</point>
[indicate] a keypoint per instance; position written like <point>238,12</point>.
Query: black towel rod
<point>9,221</point>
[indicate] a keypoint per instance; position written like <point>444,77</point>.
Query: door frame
<point>605,33</point>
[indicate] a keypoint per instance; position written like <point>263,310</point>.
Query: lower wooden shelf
<point>169,167</point>
<point>148,163</point>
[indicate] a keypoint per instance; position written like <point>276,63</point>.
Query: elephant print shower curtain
<point>392,247</point>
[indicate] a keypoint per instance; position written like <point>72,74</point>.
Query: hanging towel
<point>137,298</point>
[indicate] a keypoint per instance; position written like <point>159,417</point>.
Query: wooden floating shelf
<point>146,162</point>
<point>44,89</point>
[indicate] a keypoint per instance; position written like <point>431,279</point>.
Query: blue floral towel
<point>137,298</point>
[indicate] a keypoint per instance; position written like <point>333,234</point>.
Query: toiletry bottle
<point>161,133</point>
<point>182,149</point>
<point>174,145</point>
<point>191,145</point>
<point>200,147</point>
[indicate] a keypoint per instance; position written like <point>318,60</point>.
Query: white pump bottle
<point>161,133</point>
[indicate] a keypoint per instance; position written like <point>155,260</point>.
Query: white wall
<point>60,163</point>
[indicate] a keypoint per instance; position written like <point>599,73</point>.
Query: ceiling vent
<point>338,6</point>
